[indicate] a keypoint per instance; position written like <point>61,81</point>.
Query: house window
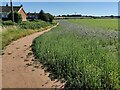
<point>3,16</point>
<point>6,16</point>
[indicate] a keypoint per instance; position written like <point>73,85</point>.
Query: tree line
<point>79,15</point>
<point>47,17</point>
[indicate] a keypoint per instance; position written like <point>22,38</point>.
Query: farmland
<point>82,52</point>
<point>106,24</point>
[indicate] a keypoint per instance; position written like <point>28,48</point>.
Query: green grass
<point>85,57</point>
<point>106,24</point>
<point>13,34</point>
<point>16,31</point>
<point>34,24</point>
<point>8,23</point>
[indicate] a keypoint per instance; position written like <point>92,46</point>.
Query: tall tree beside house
<point>51,17</point>
<point>17,17</point>
<point>43,16</point>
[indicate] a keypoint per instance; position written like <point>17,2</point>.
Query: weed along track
<point>86,57</point>
<point>20,69</point>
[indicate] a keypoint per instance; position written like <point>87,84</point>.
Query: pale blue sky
<point>84,8</point>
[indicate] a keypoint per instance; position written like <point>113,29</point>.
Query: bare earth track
<point>19,69</point>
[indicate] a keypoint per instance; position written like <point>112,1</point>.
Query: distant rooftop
<point>8,8</point>
<point>32,13</point>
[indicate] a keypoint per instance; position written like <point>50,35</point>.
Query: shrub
<point>45,16</point>
<point>34,24</point>
<point>17,17</point>
<point>50,17</point>
<point>8,23</point>
<point>24,28</point>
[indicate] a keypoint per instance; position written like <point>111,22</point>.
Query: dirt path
<point>19,69</point>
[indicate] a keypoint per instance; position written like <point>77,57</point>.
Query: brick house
<point>5,10</point>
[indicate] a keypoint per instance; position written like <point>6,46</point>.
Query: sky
<point>62,0</point>
<point>60,8</point>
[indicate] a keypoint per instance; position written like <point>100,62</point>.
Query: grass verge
<point>12,32</point>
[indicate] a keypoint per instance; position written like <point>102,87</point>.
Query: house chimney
<point>7,5</point>
<point>21,5</point>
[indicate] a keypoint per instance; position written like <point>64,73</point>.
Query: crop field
<point>82,52</point>
<point>106,24</point>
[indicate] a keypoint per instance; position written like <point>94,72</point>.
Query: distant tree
<point>68,15</point>
<point>51,17</point>
<point>43,16</point>
<point>80,15</point>
<point>59,16</point>
<point>17,17</point>
<point>112,16</point>
<point>64,16</point>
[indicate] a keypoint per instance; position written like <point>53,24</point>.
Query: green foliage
<point>45,16</point>
<point>13,34</point>
<point>34,24</point>
<point>50,17</point>
<point>17,17</point>
<point>22,29</point>
<point>7,23</point>
<point>87,58</point>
